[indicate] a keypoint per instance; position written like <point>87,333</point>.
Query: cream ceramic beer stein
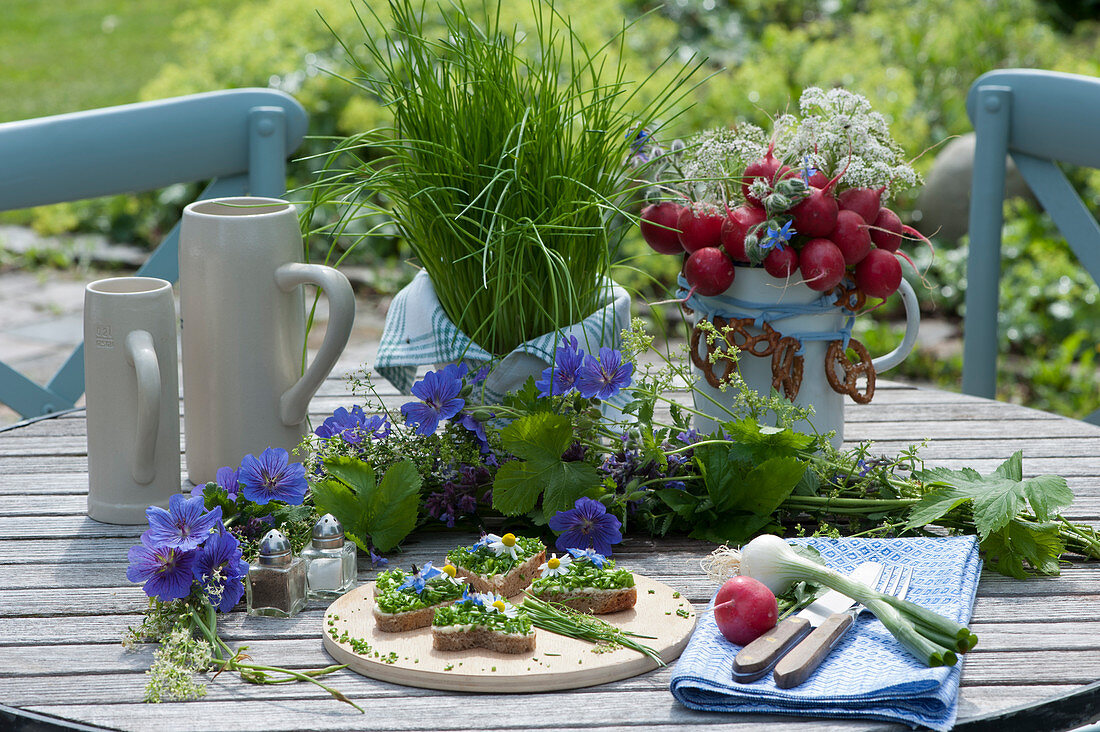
<point>132,396</point>
<point>243,323</point>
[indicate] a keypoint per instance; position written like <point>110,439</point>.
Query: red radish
<point>736,227</point>
<point>700,226</point>
<point>766,168</point>
<point>822,264</point>
<point>658,227</point>
<point>886,233</point>
<point>864,201</point>
<point>818,179</point>
<point>744,609</point>
<point>815,215</point>
<point>709,271</point>
<point>879,274</point>
<point>781,263</point>
<point>851,236</point>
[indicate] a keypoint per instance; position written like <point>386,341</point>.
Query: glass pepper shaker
<point>277,580</point>
<point>330,560</point>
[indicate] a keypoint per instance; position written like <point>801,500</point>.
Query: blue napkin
<point>869,675</point>
<point>418,333</point>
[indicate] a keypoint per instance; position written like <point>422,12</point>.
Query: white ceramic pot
<point>244,325</point>
<point>132,396</point>
<point>791,310</point>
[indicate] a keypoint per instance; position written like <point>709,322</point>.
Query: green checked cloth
<point>419,333</point>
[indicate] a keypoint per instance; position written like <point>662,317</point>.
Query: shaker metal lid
<point>328,533</point>
<point>275,549</point>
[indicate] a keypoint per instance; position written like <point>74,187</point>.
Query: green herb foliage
<point>584,574</point>
<point>382,512</point>
<point>470,613</point>
<point>484,562</point>
<point>393,600</point>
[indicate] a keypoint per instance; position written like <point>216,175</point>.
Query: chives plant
<point>508,151</point>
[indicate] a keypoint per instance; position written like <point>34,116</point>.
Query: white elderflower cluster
<point>840,132</point>
<point>175,662</point>
<point>714,159</point>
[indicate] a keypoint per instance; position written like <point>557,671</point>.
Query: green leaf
<point>757,486</point>
<point>1039,545</point>
<point>681,502</point>
<point>385,512</point>
<point>770,483</point>
<point>997,498</point>
<point>731,528</point>
<point>539,440</point>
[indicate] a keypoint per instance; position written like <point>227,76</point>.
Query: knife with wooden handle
<point>758,658</point>
<point>804,658</point>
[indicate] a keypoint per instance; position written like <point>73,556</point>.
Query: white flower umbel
<point>505,545</point>
<point>556,566</point>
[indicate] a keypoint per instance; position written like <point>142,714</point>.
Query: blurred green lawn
<point>67,55</point>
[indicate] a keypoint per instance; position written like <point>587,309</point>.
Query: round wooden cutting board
<point>557,662</point>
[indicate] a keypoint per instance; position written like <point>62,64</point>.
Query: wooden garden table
<point>65,603</point>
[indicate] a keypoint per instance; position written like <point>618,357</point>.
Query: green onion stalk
<point>930,637</point>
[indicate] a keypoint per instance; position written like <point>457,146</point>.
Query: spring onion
<point>930,637</point>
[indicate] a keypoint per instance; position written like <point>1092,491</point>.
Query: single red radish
<point>864,201</point>
<point>781,263</point>
<point>851,236</point>
<point>818,179</point>
<point>822,264</point>
<point>658,225</point>
<point>765,168</point>
<point>886,230</point>
<point>700,226</point>
<point>744,609</point>
<point>879,274</point>
<point>736,227</point>
<point>709,271</point>
<point>815,215</point>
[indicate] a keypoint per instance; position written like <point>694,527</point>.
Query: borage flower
<point>555,566</point>
<point>587,524</point>
<point>777,238</point>
<point>220,570</point>
<point>485,540</point>
<point>591,555</point>
<point>473,598</point>
<point>419,578</point>
<point>185,524</point>
<point>561,377</point>
<point>605,377</point>
<point>439,395</point>
<point>167,571</point>
<point>272,477</point>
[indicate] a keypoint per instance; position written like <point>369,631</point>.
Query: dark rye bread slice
<point>515,581</point>
<point>591,600</point>
<point>478,637</point>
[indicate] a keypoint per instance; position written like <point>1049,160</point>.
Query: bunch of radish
<point>827,235</point>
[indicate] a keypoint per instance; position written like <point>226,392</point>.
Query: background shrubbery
<point>913,59</point>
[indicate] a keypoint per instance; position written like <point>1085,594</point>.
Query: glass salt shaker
<point>277,580</point>
<point>330,560</point>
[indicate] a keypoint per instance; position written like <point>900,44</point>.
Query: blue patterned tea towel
<point>869,674</point>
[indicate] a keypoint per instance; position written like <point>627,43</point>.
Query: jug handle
<point>912,325</point>
<point>142,355</point>
<point>295,401</point>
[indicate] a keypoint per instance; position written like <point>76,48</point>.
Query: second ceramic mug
<point>132,393</point>
<point>243,324</point>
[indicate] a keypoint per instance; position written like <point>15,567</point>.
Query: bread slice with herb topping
<point>482,620</point>
<point>404,601</point>
<point>504,565</point>
<point>587,582</point>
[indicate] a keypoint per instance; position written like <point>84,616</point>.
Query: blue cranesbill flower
<point>587,524</point>
<point>777,238</point>
<point>591,555</point>
<point>220,570</point>
<point>352,426</point>
<point>419,578</point>
<point>272,477</point>
<point>439,395</point>
<point>167,571</point>
<point>561,377</point>
<point>467,422</point>
<point>603,378</point>
<point>185,524</point>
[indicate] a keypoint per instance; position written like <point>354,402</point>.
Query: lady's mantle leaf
<point>385,512</point>
<point>997,498</point>
<point>539,441</point>
<point>1039,545</point>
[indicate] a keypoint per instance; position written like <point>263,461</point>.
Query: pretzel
<point>787,367</point>
<point>705,364</point>
<point>835,356</point>
<point>748,344</point>
<point>849,296</point>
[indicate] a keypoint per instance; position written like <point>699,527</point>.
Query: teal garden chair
<point>1040,118</point>
<point>237,139</point>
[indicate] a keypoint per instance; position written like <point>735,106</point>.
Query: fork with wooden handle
<point>802,660</point>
